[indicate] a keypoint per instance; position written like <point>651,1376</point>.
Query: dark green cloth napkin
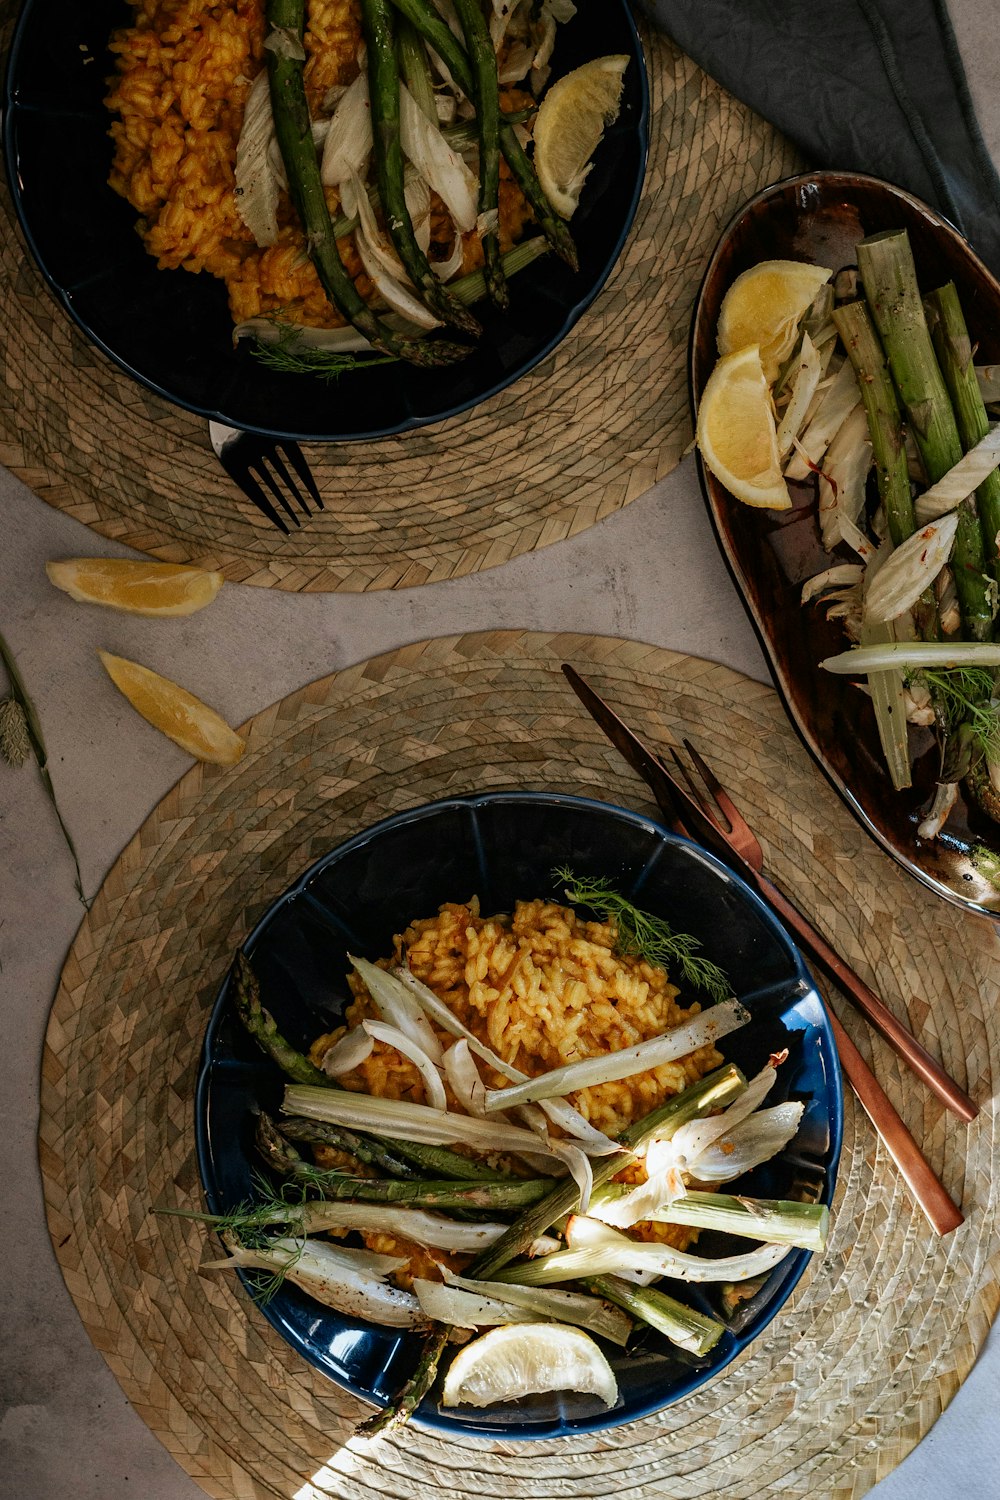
<point>871,86</point>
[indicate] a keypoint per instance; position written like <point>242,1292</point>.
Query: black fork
<point>253,461</point>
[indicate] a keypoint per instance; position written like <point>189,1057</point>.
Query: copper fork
<point>914,1167</point>
<point>741,837</point>
<point>686,816</point>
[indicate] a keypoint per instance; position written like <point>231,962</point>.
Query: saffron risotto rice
<point>184,70</point>
<point>543,988</point>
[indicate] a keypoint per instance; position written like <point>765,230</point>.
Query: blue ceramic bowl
<point>172,331</point>
<point>501,847</point>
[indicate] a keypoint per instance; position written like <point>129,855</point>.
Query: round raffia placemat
<point>589,430</point>
<point>880,1332</point>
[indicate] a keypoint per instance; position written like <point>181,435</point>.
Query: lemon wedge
<point>521,1359</point>
<point>138,587</point>
<point>764,306</point>
<point>177,713</point>
<point>568,127</point>
<point>736,432</point>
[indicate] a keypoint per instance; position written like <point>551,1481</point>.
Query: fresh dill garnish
<point>290,356</point>
<point>641,934</point>
<point>266,1284</point>
<point>253,1223</point>
<point>967,695</point>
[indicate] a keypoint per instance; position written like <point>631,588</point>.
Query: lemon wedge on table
<point>136,586</point>
<point>569,125</point>
<point>764,307</point>
<point>177,713</point>
<point>736,432</point>
<point>522,1359</point>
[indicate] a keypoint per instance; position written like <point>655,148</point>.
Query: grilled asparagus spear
<point>438,35</point>
<point>487,101</point>
<point>285,62</point>
<point>383,86</point>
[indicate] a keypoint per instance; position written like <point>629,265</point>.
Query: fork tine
<point>253,492</point>
<point>722,797</point>
<point>259,467</point>
<point>293,453</point>
<point>695,791</point>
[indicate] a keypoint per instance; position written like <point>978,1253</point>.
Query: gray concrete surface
<point>652,572</point>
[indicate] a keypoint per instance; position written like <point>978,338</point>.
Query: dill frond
<point>641,934</point>
<point>288,355</point>
<point>968,695</point>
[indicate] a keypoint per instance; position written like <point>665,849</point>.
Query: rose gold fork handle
<point>926,1187</point>
<point>871,1007</point>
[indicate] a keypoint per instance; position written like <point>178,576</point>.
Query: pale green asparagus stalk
<point>889,275</point>
<point>885,424</point>
<point>954,351</point>
<point>681,1324</point>
<point>711,1093</point>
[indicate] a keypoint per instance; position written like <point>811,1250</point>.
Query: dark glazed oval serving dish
<point>502,847</point>
<point>172,330</point>
<point>820,217</point>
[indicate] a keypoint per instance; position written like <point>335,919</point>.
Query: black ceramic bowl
<point>172,330</point>
<point>502,847</point>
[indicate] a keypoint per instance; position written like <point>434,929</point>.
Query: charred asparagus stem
<point>413,1392</point>
<point>885,262</point>
<point>438,35</point>
<point>336,1187</point>
<point>854,324</point>
<point>885,426</point>
<point>402,1159</point>
<point>954,351</point>
<point>261,1026</point>
<point>487,102</point>
<point>285,61</point>
<point>383,82</point>
<point>715,1091</point>
<point>276,1148</point>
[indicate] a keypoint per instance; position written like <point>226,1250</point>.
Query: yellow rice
<point>542,988</point>
<point>184,70</point>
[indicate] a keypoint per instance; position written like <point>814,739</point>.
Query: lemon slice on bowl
<point>568,127</point>
<point>177,713</point>
<point>522,1359</point>
<point>736,432</point>
<point>763,307</point>
<point>138,587</point>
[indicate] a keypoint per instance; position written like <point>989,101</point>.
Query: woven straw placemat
<point>880,1332</point>
<point>590,429</point>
